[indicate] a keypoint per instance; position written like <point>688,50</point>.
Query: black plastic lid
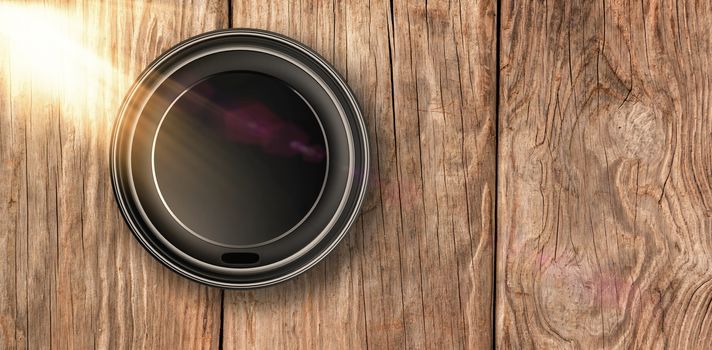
<point>239,158</point>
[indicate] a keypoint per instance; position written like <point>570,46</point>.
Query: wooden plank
<point>605,203</point>
<point>323,308</point>
<point>444,70</point>
<point>416,271</point>
<point>71,274</point>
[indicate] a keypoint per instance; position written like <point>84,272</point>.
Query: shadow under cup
<point>239,158</point>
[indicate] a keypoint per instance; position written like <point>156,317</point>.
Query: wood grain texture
<point>605,165</point>
<point>416,271</point>
<point>71,274</point>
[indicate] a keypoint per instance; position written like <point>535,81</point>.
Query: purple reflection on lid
<point>253,123</point>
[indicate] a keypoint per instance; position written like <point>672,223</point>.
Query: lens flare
<point>254,123</point>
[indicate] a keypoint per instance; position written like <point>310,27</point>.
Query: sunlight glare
<point>45,46</point>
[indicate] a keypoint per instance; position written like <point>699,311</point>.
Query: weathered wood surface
<point>71,274</point>
<point>604,172</point>
<point>416,271</point>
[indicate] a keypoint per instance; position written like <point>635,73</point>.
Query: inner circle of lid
<point>240,159</point>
